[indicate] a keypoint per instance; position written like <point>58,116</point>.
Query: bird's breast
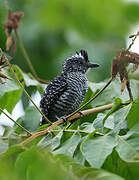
<point>71,99</point>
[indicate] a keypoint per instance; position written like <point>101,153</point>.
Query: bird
<point>66,92</point>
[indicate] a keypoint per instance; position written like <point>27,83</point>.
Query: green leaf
<point>41,128</point>
<point>128,149</point>
<point>16,128</point>
<point>133,131</point>
<point>7,160</point>
<point>24,160</point>
<point>120,118</point>
<point>30,80</point>
<point>69,146</point>
<point>41,88</point>
<point>12,153</point>
<point>3,146</point>
<point>97,174</point>
<point>78,156</point>
<point>85,173</point>
<point>90,136</point>
<point>45,142</point>
<point>49,171</point>
<point>11,85</point>
<point>117,103</point>
<point>112,91</point>
<point>35,164</point>
<point>13,139</point>
<point>31,119</point>
<point>10,99</point>
<point>97,149</point>
<point>116,165</point>
<point>106,96</point>
<point>10,92</point>
<point>66,160</point>
<point>87,127</point>
<point>133,115</point>
<point>98,122</point>
<point>56,140</point>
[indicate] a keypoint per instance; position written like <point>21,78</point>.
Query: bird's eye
<point>80,62</point>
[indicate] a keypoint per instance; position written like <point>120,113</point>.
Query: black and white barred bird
<point>65,93</point>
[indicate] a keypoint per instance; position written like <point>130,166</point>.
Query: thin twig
<point>4,137</point>
<point>7,61</point>
<point>77,115</point>
<point>20,135</point>
<point>133,40</point>
<point>78,130</point>
<point>26,56</point>
<point>24,129</point>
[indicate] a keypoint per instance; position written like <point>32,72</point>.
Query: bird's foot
<point>64,120</point>
<point>72,121</point>
<point>81,114</point>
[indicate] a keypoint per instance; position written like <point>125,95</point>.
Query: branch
<point>133,40</point>
<point>74,131</point>
<point>24,129</point>
<point>8,63</point>
<point>77,115</point>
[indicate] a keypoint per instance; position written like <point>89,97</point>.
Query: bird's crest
<point>83,54</point>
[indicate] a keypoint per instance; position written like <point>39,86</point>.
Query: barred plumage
<point>65,93</point>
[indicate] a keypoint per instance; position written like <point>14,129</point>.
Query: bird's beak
<point>92,65</point>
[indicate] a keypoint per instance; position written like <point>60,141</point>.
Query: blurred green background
<point>54,29</point>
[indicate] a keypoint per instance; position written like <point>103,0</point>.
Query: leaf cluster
<point>96,145</point>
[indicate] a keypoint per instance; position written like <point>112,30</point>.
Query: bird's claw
<point>64,120</point>
<point>81,114</point>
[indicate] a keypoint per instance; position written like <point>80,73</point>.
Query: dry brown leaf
<point>119,64</point>
<point>12,23</point>
<point>9,42</point>
<point>123,85</point>
<point>135,67</point>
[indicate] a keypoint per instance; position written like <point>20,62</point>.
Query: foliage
<point>80,151</point>
<point>103,145</point>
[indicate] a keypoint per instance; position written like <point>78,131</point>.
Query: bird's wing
<point>52,93</point>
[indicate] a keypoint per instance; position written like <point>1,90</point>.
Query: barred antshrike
<point>65,93</point>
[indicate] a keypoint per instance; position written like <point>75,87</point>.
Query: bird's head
<point>78,63</point>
